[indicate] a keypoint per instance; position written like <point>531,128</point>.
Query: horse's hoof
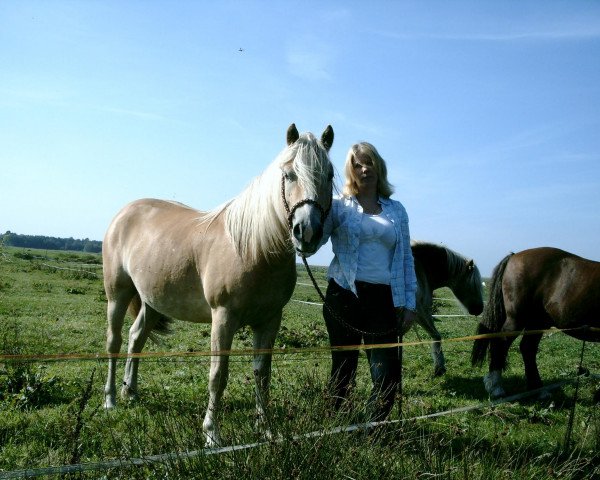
<point>269,436</point>
<point>212,440</point>
<point>492,385</point>
<point>497,393</point>
<point>544,396</point>
<point>109,404</point>
<point>439,371</point>
<point>128,394</point>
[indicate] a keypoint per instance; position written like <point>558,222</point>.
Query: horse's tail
<point>493,316</point>
<point>163,325</point>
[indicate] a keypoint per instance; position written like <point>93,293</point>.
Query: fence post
<point>567,443</point>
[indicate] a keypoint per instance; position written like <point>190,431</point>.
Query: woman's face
<point>364,172</point>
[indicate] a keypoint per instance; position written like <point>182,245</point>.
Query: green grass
<point>50,412</point>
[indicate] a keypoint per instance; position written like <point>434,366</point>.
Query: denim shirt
<point>343,226</point>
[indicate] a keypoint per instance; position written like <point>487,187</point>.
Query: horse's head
<point>306,187</point>
<point>468,288</point>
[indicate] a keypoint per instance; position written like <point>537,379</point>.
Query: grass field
<point>53,303</point>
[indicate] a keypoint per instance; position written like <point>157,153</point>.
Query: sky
<point>487,113</point>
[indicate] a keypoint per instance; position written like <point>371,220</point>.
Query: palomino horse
<point>231,267</point>
<point>534,290</point>
<point>437,266</point>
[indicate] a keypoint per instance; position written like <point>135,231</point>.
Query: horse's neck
<point>254,223</point>
<point>438,279</point>
<point>435,264</point>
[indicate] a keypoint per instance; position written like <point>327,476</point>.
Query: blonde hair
<point>384,188</point>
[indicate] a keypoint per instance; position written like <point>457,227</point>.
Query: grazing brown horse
<point>231,267</point>
<point>437,266</point>
<point>534,290</point>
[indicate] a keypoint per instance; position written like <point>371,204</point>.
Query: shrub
<point>20,384</point>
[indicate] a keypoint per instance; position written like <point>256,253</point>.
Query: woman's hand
<point>405,319</point>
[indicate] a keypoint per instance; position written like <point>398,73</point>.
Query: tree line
<point>42,242</point>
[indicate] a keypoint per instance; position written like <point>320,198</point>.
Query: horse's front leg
<point>264,339</point>
<point>221,338</point>
<point>439,362</point>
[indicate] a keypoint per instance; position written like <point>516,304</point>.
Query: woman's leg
<point>384,365</point>
<point>339,309</point>
<point>385,374</point>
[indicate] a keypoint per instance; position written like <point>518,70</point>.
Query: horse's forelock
<point>310,161</point>
<point>474,275</point>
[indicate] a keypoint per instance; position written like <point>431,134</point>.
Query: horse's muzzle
<point>476,309</point>
<point>307,230</point>
<point>306,238</point>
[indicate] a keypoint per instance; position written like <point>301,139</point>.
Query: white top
<point>342,225</point>
<point>376,249</point>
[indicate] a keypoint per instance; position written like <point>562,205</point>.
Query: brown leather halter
<point>306,201</point>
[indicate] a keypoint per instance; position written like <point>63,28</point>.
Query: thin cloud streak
<point>134,113</point>
<point>310,58</point>
<point>592,33</point>
<point>308,65</point>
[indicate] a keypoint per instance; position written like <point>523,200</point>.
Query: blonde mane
<point>255,220</point>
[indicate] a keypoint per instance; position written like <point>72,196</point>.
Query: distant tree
<point>92,246</point>
<point>51,243</point>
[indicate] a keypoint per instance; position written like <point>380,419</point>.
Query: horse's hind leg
<point>529,348</point>
<point>138,334</point>
<point>439,362</point>
<point>221,338</point>
<point>498,354</point>
<point>116,309</point>
<point>264,339</point>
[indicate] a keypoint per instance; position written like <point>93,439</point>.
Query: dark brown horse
<point>437,266</point>
<point>534,290</point>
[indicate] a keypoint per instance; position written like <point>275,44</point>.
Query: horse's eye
<point>290,176</point>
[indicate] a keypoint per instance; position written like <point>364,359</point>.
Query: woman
<point>372,282</point>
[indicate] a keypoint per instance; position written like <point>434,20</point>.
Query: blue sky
<point>487,113</point>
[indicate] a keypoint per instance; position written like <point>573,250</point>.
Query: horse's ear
<point>292,134</point>
<point>327,138</point>
<point>470,264</point>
